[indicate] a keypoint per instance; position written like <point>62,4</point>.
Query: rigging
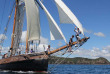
<point>5,30</point>
<point>38,4</point>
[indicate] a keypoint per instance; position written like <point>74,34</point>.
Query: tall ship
<point>36,61</point>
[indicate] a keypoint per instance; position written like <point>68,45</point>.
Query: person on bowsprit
<point>77,34</point>
<point>70,43</point>
<point>47,50</point>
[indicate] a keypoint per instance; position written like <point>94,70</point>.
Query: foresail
<point>18,27</point>
<point>66,15</point>
<point>33,20</point>
<point>55,31</point>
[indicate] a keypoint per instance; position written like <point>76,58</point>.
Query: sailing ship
<point>36,61</point>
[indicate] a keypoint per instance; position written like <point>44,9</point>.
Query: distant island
<point>79,60</point>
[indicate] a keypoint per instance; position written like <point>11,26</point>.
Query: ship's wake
<point>19,72</point>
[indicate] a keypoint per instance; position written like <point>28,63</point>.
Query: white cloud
<point>42,39</point>
<point>4,49</point>
<point>2,36</point>
<point>93,53</point>
<point>100,34</point>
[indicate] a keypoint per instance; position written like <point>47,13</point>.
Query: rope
<point>18,29</point>
<point>61,56</point>
<point>62,60</point>
<point>5,31</point>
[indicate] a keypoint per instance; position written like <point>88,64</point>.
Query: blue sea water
<point>71,69</point>
<point>81,69</point>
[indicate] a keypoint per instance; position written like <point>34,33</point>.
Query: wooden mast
<point>14,26</point>
<point>66,46</point>
<point>27,49</point>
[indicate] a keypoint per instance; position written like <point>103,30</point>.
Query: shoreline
<point>79,61</point>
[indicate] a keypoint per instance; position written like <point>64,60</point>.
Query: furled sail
<point>33,20</point>
<point>66,15</point>
<point>55,31</point>
<point>18,27</point>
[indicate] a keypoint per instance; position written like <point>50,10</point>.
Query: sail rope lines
<point>5,31</point>
<point>65,58</point>
<point>18,28</point>
<point>60,56</point>
<point>62,60</point>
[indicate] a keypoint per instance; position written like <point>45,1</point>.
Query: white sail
<point>55,31</point>
<point>66,15</point>
<point>18,26</point>
<point>33,20</point>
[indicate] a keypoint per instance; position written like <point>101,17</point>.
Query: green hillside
<point>78,60</point>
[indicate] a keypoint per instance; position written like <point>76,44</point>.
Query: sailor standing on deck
<point>19,51</point>
<point>9,53</point>
<point>32,51</point>
<point>77,34</point>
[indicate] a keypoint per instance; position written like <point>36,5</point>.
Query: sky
<point>93,14</point>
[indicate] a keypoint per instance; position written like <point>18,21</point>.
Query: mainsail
<point>33,20</point>
<point>55,31</point>
<point>18,27</point>
<point>66,15</point>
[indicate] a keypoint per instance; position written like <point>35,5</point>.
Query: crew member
<point>70,43</point>
<point>32,51</point>
<point>77,34</point>
<point>9,53</point>
<point>19,51</point>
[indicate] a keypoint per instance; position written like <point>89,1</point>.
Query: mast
<point>27,48</point>
<point>14,26</point>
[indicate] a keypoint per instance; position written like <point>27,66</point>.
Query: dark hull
<point>25,63</point>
